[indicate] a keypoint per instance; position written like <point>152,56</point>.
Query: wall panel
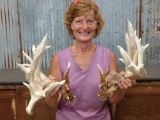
<point>24,23</point>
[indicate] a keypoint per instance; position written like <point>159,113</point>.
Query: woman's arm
<point>54,75</point>
<point>115,97</point>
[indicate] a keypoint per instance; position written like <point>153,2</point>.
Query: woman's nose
<point>85,26</point>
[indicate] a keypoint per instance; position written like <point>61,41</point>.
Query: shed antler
<point>133,57</point>
<point>35,77</point>
<point>65,91</point>
<point>133,60</point>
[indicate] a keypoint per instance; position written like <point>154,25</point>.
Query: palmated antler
<point>65,91</point>
<point>35,77</point>
<point>133,57</point>
<point>133,60</point>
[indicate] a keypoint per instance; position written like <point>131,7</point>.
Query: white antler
<point>35,77</point>
<point>133,57</point>
<point>133,60</point>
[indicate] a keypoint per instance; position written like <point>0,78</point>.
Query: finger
<point>122,73</point>
<point>121,87</point>
<point>134,82</point>
<point>124,84</point>
<point>51,77</point>
<point>127,82</point>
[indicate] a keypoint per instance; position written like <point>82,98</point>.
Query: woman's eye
<point>78,21</point>
<point>90,21</point>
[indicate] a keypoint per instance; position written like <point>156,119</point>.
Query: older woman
<point>84,22</point>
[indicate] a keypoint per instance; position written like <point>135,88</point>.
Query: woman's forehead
<point>85,15</point>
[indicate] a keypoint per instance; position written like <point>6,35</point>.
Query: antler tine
<point>35,77</point>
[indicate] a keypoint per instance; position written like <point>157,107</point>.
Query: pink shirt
<point>85,85</point>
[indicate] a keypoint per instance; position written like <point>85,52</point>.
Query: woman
<point>84,22</point>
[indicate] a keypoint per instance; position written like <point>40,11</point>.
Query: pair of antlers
<point>132,58</point>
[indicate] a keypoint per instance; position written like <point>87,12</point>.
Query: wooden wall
<point>13,103</point>
<point>141,102</point>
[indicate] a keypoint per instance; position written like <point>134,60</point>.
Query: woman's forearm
<point>52,101</point>
<point>116,96</point>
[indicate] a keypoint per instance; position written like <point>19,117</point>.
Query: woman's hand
<point>55,91</point>
<point>125,83</point>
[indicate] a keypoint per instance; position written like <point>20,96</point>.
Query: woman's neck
<point>83,53</point>
<point>85,47</point>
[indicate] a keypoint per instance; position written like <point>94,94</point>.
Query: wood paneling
<point>7,104</point>
<point>14,100</point>
<point>141,102</point>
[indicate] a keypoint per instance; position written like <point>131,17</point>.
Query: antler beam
<point>35,77</point>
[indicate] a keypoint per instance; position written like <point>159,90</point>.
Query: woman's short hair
<point>81,8</point>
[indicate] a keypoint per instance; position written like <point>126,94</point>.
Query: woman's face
<point>84,27</point>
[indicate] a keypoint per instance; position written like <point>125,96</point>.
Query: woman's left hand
<point>125,83</point>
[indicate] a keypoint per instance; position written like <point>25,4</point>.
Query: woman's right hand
<point>54,91</point>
